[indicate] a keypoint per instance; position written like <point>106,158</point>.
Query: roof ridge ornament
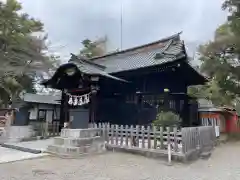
<point>82,60</point>
<point>161,54</point>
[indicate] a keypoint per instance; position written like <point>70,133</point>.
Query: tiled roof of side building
<point>171,48</point>
<point>43,99</point>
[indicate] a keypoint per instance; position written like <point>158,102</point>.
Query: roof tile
<point>138,57</point>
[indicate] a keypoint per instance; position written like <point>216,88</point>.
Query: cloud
<point>69,22</point>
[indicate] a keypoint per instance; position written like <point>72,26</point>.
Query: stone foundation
<point>77,142</point>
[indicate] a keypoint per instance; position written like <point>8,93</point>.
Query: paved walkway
<point>223,165</point>
<point>10,155</point>
<point>36,145</point>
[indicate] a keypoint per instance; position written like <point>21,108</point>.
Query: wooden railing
<point>183,141</point>
<point>45,129</point>
<point>198,139</point>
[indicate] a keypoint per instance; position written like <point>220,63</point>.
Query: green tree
<point>93,48</point>
<point>219,60</point>
<point>233,6</point>
<point>22,54</point>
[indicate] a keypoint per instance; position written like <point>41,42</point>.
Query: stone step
<point>75,151</point>
<point>77,142</point>
<point>80,133</point>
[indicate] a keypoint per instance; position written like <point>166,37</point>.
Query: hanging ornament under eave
<point>70,101</point>
<point>87,99</point>
<point>75,103</point>
<point>80,102</point>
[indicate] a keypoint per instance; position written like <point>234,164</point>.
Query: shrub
<point>167,119</point>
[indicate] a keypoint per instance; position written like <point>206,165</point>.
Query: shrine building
<point>129,87</point>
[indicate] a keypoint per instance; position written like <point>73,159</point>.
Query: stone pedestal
<point>77,142</point>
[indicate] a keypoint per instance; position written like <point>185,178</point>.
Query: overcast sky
<point>68,22</point>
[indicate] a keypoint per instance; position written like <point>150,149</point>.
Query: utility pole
<point>121,24</point>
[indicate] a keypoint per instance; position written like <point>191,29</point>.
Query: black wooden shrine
<point>131,86</point>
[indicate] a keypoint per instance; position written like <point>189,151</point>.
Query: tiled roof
<point>89,67</point>
<point>171,48</point>
<point>43,99</point>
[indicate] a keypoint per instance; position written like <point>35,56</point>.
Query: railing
<point>141,137</point>
<point>198,139</point>
<point>45,129</point>
<point>185,141</point>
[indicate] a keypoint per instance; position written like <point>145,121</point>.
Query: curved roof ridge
<point>139,47</point>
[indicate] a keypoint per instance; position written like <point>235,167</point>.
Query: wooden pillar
<point>185,111</point>
<point>37,117</point>
<point>94,88</point>
<point>93,104</point>
<point>63,110</point>
<point>166,100</point>
<point>140,107</point>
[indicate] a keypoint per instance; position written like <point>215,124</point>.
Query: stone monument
<point>77,142</point>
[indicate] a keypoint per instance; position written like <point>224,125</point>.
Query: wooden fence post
<point>143,137</point>
<point>104,131</point>
<point>107,132</point>
<point>132,136</point>
<point>175,139</point>
<point>169,148</point>
<point>137,136</point>
<point>154,138</point>
<point>168,135</point>
<point>116,134</point>
<point>161,138</point>
<point>126,134</point>
<point>184,140</point>
<point>121,135</point>
<point>100,127</point>
<point>149,137</point>
<point>112,134</point>
<point>53,128</point>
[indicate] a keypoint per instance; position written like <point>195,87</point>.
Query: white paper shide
<point>79,100</point>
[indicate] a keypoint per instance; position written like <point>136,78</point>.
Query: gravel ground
<point>224,164</point>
